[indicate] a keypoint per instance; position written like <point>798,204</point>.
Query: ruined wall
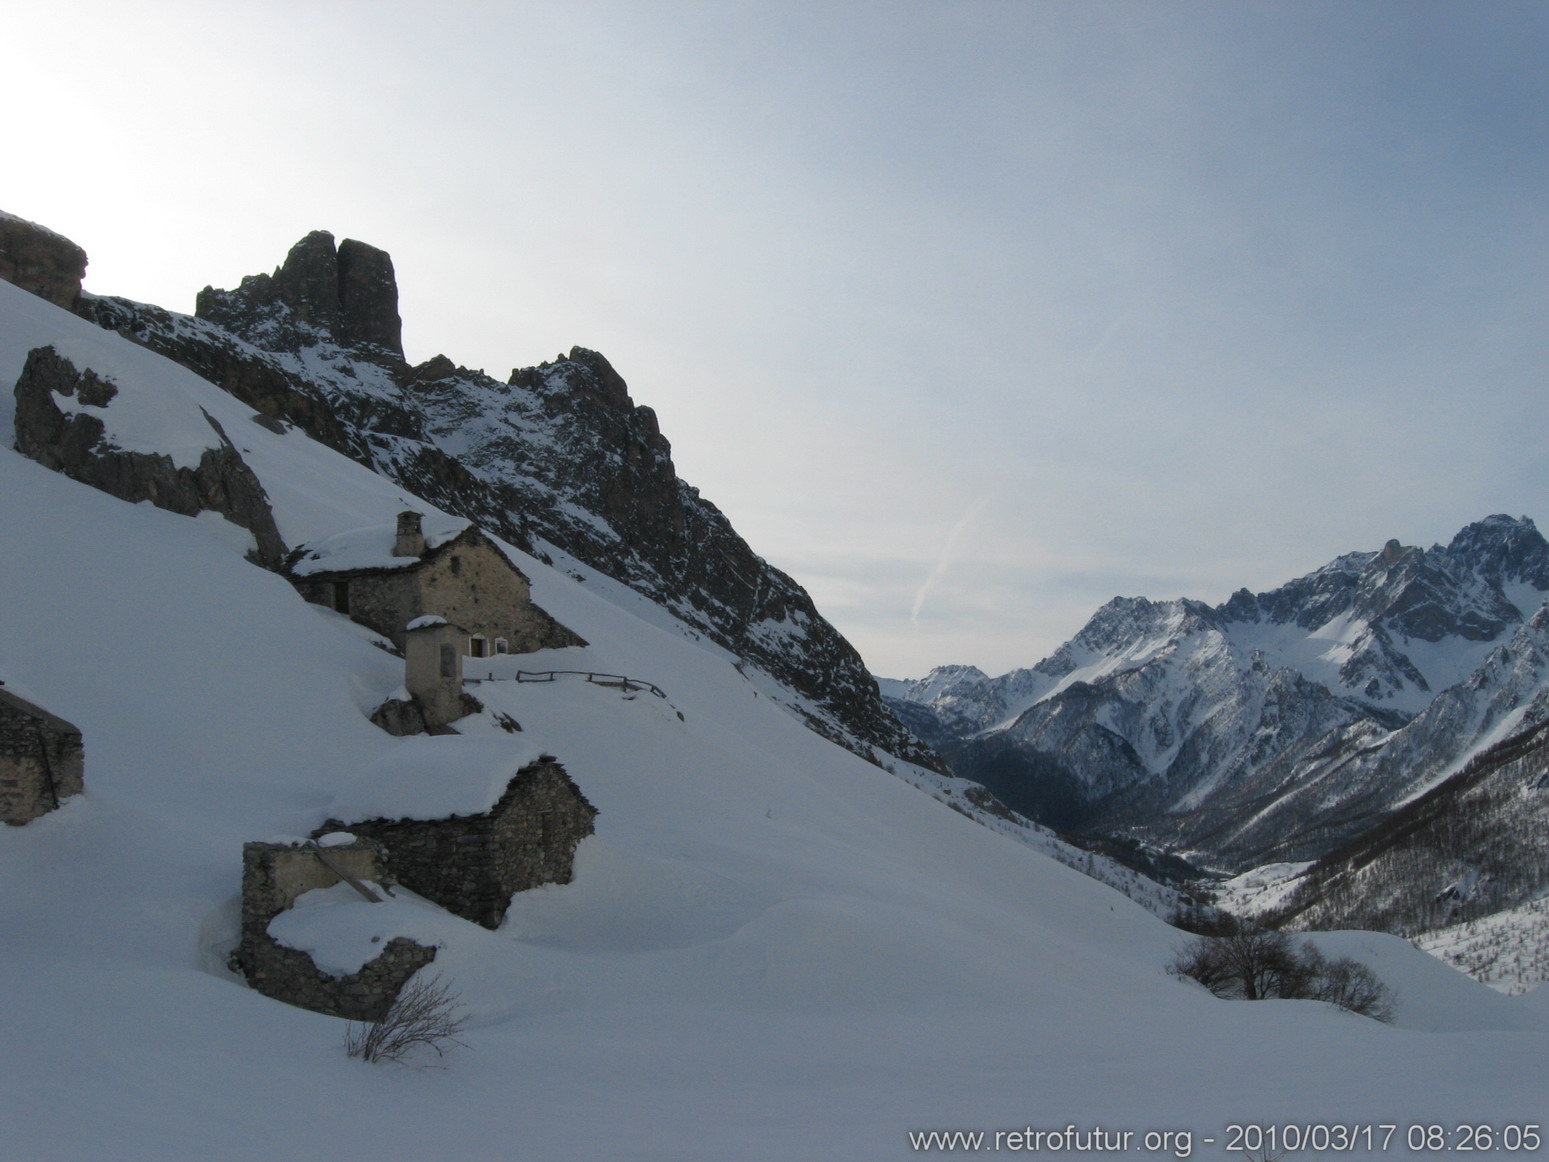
<point>273,876</point>
<point>472,864</point>
<point>42,760</point>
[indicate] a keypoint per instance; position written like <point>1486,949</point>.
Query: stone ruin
<point>472,864</point>
<point>42,760</point>
<point>274,876</point>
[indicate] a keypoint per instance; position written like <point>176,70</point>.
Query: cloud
<point>945,558</point>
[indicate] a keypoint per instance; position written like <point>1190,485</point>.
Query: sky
<point>971,316</point>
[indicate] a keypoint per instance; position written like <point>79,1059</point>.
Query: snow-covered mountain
<point>771,949</point>
<point>1274,725</point>
<point>1465,868</point>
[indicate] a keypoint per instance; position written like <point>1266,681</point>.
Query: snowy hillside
<point>772,949</point>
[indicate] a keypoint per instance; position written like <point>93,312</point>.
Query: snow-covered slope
<point>772,949</point>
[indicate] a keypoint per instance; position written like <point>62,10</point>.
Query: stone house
<point>469,832</point>
<point>42,761</point>
<point>386,577</point>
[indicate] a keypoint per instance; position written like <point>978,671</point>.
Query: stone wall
<point>42,760</point>
<point>472,864</point>
<point>38,260</point>
<point>273,877</point>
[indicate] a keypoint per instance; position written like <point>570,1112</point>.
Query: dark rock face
<point>347,292</point>
<point>77,445</point>
<point>559,452</point>
<point>368,297</point>
<point>40,261</point>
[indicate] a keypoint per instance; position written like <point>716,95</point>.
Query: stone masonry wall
<point>273,876</point>
<point>42,760</point>
<point>472,864</point>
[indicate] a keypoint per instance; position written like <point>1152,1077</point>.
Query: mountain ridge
<point>1271,725</point>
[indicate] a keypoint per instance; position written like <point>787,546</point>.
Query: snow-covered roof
<point>434,778</point>
<point>371,547</point>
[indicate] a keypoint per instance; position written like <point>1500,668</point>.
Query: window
<point>502,646</point>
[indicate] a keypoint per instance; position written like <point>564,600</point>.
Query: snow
<point>372,547</point>
<point>433,778</point>
<point>157,405</point>
<point>1508,950</point>
<point>342,931</point>
<point>772,949</point>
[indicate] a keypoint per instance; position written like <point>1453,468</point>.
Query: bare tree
<point>426,1012</point>
<point>1256,964</point>
<point>1351,985</point>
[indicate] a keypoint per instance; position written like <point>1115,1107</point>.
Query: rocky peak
<point>1392,553</point>
<point>1502,548</point>
<point>36,259</point>
<point>348,290</point>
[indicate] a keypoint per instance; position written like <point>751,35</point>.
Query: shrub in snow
<point>427,1012</point>
<point>1254,964</point>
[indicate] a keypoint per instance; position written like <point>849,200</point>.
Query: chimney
<point>411,536</point>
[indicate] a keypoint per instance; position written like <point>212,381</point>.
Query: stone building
<point>274,877</point>
<point>494,836</point>
<point>42,761</point>
<point>386,577</point>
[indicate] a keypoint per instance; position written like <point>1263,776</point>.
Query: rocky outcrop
<point>347,291</point>
<point>40,261</point>
<point>77,444</point>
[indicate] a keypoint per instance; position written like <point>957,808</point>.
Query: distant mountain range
<point>1272,727</point>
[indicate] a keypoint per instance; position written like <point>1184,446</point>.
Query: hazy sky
<point>970,315</point>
